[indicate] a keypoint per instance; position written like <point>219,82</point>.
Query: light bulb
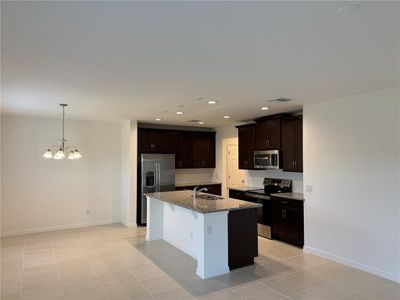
<point>48,154</point>
<point>59,154</point>
<point>77,155</point>
<point>71,155</point>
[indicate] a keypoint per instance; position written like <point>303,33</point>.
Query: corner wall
<point>351,159</point>
<point>40,194</point>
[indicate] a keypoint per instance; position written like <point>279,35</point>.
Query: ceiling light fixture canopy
<point>59,151</point>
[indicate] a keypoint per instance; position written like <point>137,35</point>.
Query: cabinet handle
<point>295,163</point>
<point>152,146</point>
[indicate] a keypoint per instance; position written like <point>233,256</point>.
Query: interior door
<point>235,175</point>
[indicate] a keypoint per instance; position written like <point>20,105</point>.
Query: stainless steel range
<point>262,196</point>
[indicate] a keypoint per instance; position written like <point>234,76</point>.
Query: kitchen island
<point>220,234</point>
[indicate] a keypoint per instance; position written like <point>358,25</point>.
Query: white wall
<point>253,178</point>
<point>39,194</point>
<point>351,159</point>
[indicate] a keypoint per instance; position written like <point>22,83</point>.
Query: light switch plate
<point>309,188</point>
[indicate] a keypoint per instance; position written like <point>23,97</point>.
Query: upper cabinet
<point>279,132</point>
<point>192,149</point>
<point>292,144</point>
<point>182,146</point>
<point>246,135</point>
<point>204,150</point>
<point>153,141</point>
<point>268,134</point>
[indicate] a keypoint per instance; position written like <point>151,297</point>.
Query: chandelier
<point>60,151</point>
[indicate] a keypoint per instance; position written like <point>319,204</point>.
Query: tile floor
<point>114,262</point>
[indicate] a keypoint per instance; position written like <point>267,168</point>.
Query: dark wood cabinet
<point>268,134</point>
<point>153,141</point>
<point>288,220</point>
<point>204,150</point>
<point>246,134</point>
<point>192,149</point>
<point>214,189</point>
<point>182,148</point>
<point>292,144</point>
<point>242,238</point>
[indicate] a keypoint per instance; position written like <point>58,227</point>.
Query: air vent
<point>280,100</point>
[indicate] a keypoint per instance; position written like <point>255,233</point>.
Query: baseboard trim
<point>129,225</point>
<point>55,228</point>
<point>352,263</point>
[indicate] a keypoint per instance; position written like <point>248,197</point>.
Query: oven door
<point>268,159</point>
<point>264,214</point>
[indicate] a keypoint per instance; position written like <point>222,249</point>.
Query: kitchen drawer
<point>285,202</point>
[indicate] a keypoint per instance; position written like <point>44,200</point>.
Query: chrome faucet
<point>195,191</point>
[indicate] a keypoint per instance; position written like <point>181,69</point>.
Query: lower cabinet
<point>288,220</point>
<point>242,238</point>
<point>214,189</point>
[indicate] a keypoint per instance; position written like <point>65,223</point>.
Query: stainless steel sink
<point>209,197</point>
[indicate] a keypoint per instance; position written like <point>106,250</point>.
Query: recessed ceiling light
<point>211,102</point>
<point>179,112</point>
<point>348,9</point>
<point>227,117</point>
<point>158,119</point>
<point>264,108</point>
<point>201,122</point>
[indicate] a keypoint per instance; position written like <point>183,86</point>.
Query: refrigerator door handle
<point>159,177</point>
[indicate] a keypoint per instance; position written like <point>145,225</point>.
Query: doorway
<point>235,176</point>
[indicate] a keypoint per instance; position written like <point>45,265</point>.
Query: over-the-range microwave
<point>266,159</point>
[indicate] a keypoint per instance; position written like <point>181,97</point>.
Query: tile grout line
<point>119,258</point>
<point>58,270</point>
<point>23,267</point>
<point>91,268</point>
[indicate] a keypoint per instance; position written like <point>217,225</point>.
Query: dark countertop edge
<point>289,196</point>
<point>254,206</point>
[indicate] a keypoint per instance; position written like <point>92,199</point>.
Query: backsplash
<point>193,175</point>
<point>255,178</point>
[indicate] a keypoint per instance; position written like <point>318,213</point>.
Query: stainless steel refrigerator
<point>156,173</point>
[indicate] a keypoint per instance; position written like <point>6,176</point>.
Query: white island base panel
<point>203,236</point>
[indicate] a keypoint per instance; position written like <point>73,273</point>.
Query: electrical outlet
<point>309,188</point>
<point>88,211</point>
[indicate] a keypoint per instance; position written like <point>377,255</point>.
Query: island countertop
<point>184,199</point>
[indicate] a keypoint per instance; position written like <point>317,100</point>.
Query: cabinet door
<point>289,144</point>
<point>274,138</point>
<point>262,135</point>
<point>299,145</point>
<point>292,144</point>
<point>204,150</point>
<point>246,147</point>
<point>291,225</point>
<point>268,134</point>
<point>278,221</point>
<point>182,142</point>
<point>153,141</point>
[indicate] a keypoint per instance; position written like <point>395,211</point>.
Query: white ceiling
<point>136,60</point>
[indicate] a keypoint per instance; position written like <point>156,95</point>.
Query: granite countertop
<point>244,188</point>
<point>185,199</point>
<point>293,196</point>
<point>196,183</point>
